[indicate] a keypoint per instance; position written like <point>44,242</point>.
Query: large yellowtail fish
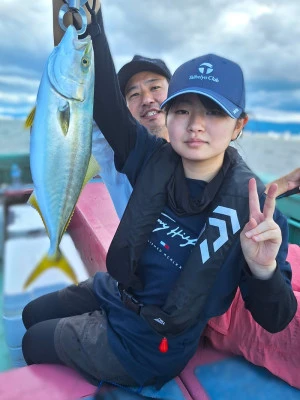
<point>60,142</point>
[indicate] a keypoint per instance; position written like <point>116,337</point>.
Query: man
<point>144,84</point>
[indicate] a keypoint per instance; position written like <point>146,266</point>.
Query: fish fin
<point>58,261</point>
<point>32,201</point>
<point>93,170</point>
<point>63,114</point>
<point>29,120</point>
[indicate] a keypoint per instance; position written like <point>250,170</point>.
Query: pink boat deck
<point>93,225</point>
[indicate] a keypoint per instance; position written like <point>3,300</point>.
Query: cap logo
<point>205,68</point>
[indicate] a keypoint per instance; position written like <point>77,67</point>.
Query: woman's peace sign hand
<point>261,236</point>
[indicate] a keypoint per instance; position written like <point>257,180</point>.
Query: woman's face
<point>200,133</point>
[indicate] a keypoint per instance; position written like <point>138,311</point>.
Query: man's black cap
<point>140,64</point>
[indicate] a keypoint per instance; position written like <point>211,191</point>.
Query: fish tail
<point>58,261</point>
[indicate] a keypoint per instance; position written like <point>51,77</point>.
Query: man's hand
<point>261,236</point>
<point>287,182</point>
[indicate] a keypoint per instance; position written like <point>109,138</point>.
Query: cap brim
<point>230,108</point>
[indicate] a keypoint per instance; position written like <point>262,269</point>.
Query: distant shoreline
<point>276,135</point>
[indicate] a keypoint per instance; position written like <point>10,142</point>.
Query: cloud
<point>25,38</point>
<point>262,36</point>
<point>25,43</point>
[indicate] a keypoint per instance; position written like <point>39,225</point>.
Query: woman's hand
<point>261,236</point>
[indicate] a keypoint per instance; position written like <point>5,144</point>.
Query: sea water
<point>273,152</point>
<point>14,138</point>
<point>270,154</point>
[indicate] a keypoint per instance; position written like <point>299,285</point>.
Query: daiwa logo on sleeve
<point>205,70</point>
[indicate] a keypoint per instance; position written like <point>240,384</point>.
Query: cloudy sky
<point>263,36</point>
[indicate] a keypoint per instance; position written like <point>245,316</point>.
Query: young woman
<point>192,233</point>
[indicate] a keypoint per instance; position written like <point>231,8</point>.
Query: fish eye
<point>85,62</point>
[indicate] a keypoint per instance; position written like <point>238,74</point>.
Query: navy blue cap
<point>212,76</point>
<point>140,64</point>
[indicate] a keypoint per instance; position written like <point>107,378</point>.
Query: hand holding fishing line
<point>73,6</point>
<point>82,12</point>
<point>261,236</point>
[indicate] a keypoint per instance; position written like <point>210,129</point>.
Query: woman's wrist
<point>263,272</point>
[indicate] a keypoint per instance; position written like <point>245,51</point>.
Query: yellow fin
<point>29,120</point>
<point>93,170</point>
<point>58,261</point>
<point>33,202</point>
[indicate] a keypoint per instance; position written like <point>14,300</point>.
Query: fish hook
<point>73,6</point>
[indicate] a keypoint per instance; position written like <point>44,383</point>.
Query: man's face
<point>144,93</point>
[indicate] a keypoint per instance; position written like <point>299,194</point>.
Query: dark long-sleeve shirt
<point>271,303</point>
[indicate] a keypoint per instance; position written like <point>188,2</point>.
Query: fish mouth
<point>80,44</point>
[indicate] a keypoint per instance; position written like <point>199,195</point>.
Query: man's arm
<point>110,110</point>
<point>116,183</point>
<point>57,31</point>
<point>287,182</point>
